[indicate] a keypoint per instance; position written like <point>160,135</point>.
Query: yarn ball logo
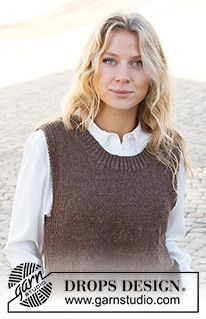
<point>29,284</point>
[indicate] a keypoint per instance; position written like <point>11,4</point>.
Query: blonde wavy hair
<point>154,113</point>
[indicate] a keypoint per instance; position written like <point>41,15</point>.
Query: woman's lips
<point>121,92</point>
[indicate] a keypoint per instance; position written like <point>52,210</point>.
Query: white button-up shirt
<point>33,196</point>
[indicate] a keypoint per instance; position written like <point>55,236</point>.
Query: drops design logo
<point>30,287</point>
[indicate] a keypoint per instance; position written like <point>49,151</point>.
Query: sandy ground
<point>51,42</point>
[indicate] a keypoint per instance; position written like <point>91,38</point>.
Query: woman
<point>102,187</point>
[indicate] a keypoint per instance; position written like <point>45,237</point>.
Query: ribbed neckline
<point>107,160</point>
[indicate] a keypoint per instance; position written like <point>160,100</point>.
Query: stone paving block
<point>39,99</point>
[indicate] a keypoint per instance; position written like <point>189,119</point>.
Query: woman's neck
<point>117,121</point>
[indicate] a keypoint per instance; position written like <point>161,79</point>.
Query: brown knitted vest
<point>109,212</point>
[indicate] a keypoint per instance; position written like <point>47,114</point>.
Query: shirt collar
<point>102,136</point>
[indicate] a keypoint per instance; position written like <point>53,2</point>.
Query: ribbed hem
<point>107,160</point>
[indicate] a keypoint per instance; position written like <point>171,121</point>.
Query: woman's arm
<point>176,225</point>
<point>32,202</point>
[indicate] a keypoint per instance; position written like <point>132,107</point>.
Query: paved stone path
<point>24,105</point>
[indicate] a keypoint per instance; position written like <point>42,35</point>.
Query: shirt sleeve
<point>176,226</point>
<point>32,201</point>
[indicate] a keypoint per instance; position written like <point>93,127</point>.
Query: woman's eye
<point>138,63</point>
<point>109,61</point>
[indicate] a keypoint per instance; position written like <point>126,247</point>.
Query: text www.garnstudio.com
<point>142,286</point>
<point>126,300</point>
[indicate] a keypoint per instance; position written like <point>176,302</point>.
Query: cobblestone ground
<point>24,105</point>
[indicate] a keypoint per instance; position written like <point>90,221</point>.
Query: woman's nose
<point>122,74</point>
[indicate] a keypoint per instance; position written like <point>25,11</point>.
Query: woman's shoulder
<point>53,122</point>
<point>36,142</point>
<point>58,126</point>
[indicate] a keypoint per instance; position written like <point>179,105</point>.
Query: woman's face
<point>121,82</point>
